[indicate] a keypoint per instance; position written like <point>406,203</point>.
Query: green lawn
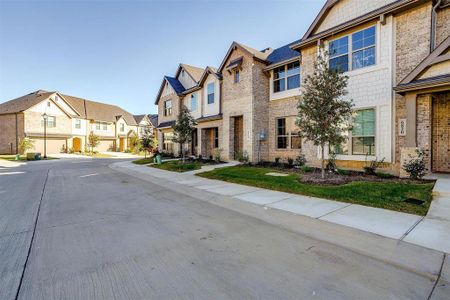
<point>178,166</point>
<point>22,157</point>
<point>143,161</point>
<point>388,195</point>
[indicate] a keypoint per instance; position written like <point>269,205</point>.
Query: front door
<point>194,142</point>
<point>441,133</point>
<point>122,144</point>
<point>238,136</point>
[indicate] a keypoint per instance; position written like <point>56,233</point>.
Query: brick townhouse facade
<point>396,55</point>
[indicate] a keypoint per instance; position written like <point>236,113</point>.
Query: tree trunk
<point>323,161</point>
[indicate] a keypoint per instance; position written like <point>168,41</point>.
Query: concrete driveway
<point>76,229</point>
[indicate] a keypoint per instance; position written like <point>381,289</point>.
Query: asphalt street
<point>77,229</point>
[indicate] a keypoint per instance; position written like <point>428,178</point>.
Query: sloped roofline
<point>233,46</point>
<point>433,58</point>
<point>162,88</point>
<point>181,67</point>
<point>319,18</point>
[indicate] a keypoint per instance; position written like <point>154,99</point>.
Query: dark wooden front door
<point>194,142</point>
<point>441,133</point>
<point>238,135</point>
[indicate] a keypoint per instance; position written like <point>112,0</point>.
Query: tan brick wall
<point>424,119</point>
<point>412,39</point>
<point>8,132</point>
<point>237,101</point>
<point>33,124</point>
<point>205,146</point>
<point>442,25</point>
<point>175,108</point>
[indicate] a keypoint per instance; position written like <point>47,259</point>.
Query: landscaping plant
<point>300,160</point>
<point>331,163</point>
<point>373,166</point>
<point>183,128</point>
<point>324,113</point>
<point>416,167</point>
<point>148,141</point>
<point>218,155</point>
<point>25,144</point>
<point>93,141</point>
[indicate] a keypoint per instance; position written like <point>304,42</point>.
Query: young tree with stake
<point>183,128</point>
<point>324,114</point>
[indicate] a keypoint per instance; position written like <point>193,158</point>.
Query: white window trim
<point>286,78</point>
<point>350,48</point>
<point>289,135</point>
<point>213,93</point>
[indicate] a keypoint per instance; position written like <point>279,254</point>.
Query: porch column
<point>411,112</point>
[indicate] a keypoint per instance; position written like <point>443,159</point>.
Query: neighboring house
<point>70,121</point>
<point>381,45</point>
<point>144,124</point>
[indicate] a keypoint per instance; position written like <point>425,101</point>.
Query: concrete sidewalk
<point>427,232</point>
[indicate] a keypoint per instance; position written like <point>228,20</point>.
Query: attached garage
<point>105,145</point>
<point>54,145</point>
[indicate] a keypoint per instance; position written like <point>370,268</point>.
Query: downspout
<point>433,25</point>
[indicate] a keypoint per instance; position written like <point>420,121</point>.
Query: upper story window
<point>211,92</point>
<point>51,122</point>
<point>236,76</point>
<point>286,77</point>
<point>167,107</point>
<point>353,51</point>
<point>48,104</point>
<point>194,102</point>
<point>101,126</point>
<point>122,127</point>
<point>77,123</point>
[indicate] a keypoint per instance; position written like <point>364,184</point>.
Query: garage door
<point>53,145</point>
<point>105,146</point>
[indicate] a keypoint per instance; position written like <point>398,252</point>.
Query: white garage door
<point>105,146</point>
<point>53,145</point>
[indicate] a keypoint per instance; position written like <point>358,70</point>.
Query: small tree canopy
<point>324,115</point>
<point>148,141</point>
<point>25,144</point>
<point>183,128</point>
<point>93,141</point>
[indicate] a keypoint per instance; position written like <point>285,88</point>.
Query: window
<point>168,108</point>
<point>210,90</point>
<point>105,126</point>
<point>48,104</point>
<point>167,141</point>
<point>122,127</point>
<point>287,134</point>
<point>216,137</point>
<point>194,102</point>
<point>51,122</point>
<point>363,132</point>
<point>97,126</point>
<point>77,123</point>
<point>236,76</point>
<point>362,51</point>
<point>286,77</point>
<point>101,126</point>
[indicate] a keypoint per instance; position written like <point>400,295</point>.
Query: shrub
<point>306,169</point>
<point>373,166</point>
<point>343,172</point>
<point>25,144</point>
<point>300,160</point>
<point>241,156</point>
<point>383,175</point>
<point>331,163</point>
<point>218,155</point>
<point>277,161</point>
<point>290,162</point>
<point>416,167</point>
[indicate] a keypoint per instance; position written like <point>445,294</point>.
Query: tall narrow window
<point>363,47</point>
<point>279,79</point>
<point>77,123</point>
<point>97,126</point>
<point>363,132</point>
<point>167,107</point>
<point>338,52</point>
<point>236,76</point>
<point>216,137</point>
<point>194,102</point>
<point>122,127</point>
<point>104,126</point>
<point>282,137</point>
<point>211,92</point>
<point>293,75</point>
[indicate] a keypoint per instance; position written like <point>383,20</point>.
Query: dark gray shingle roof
<point>282,54</point>
<point>176,84</point>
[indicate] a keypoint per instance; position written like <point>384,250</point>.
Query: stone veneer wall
<point>412,46</point>
<point>8,132</point>
<point>261,92</point>
<point>237,100</point>
<point>424,132</point>
<point>442,25</point>
<point>204,145</point>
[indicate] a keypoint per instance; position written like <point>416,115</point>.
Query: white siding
<point>167,90</point>
<point>186,80</point>
<point>82,129</point>
<point>43,107</point>
<point>187,102</point>
<point>346,10</point>
<point>213,108</point>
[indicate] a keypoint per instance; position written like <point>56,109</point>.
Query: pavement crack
<point>438,277</point>
<point>32,237</point>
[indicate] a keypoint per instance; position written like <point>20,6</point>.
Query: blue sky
<point>118,51</point>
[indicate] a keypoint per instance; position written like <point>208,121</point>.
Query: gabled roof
<point>256,54</point>
<point>139,118</point>
<point>153,119</point>
<point>283,53</point>
<point>174,83</point>
<point>320,17</point>
<point>194,72</point>
<point>209,70</point>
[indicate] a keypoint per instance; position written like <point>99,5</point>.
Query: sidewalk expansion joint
<point>412,228</point>
<point>438,277</point>
<point>328,213</point>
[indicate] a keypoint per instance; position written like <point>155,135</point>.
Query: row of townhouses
<point>396,54</point>
<point>69,121</point>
